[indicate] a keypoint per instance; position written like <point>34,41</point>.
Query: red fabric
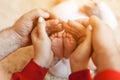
<point>31,72</point>
<point>107,75</point>
<point>104,75</point>
<point>34,72</point>
<point>81,75</point>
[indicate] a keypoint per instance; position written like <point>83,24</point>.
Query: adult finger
<point>34,34</point>
<point>42,28</point>
<point>53,25</point>
<point>89,35</point>
<point>102,35</point>
<point>52,15</point>
<point>78,28</point>
<point>36,13</point>
<point>76,25</point>
<point>84,22</point>
<point>70,30</point>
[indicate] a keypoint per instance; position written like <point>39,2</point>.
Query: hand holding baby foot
<point>42,45</point>
<point>75,29</point>
<point>80,57</point>
<point>106,54</point>
<point>81,54</point>
<point>63,44</point>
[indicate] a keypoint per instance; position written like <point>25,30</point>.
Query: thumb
<point>96,23</point>
<point>89,34</point>
<point>102,34</point>
<point>88,41</point>
<point>41,27</point>
<point>98,31</point>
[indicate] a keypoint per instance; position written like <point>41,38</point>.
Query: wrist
<point>9,42</point>
<point>17,37</point>
<point>40,63</point>
<point>22,41</point>
<point>44,62</point>
<point>78,66</point>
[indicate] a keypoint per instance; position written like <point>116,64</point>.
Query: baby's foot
<point>69,44</point>
<point>57,44</point>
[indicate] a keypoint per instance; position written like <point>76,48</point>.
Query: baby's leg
<point>69,44</point>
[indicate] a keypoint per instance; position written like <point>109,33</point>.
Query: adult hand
<point>77,30</point>
<point>19,35</point>
<point>106,54</point>
<point>42,44</point>
<point>80,57</point>
<point>27,22</point>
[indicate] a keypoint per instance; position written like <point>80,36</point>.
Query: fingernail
<point>59,24</point>
<point>90,27</point>
<point>41,19</point>
<point>47,15</point>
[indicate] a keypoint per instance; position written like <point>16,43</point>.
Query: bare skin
<point>63,44</point>
<point>80,57</point>
<point>91,8</point>
<point>19,34</point>
<point>57,44</point>
<point>43,55</point>
<point>106,54</point>
<point>69,44</point>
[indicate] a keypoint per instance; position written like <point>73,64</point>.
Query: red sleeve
<point>107,75</point>
<point>81,75</point>
<point>31,72</point>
